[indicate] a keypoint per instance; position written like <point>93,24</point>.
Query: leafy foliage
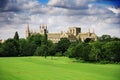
<point>16,37</point>
<point>41,51</point>
<point>105,49</point>
<point>63,45</point>
<point>35,39</point>
<point>9,48</point>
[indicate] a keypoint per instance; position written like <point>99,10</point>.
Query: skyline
<point>58,15</point>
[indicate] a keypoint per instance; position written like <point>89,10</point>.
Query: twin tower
<point>43,30</point>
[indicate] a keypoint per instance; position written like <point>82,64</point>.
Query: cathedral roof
<point>53,35</point>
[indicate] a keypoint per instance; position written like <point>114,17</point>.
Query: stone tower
<point>27,31</point>
<point>74,30</point>
<point>43,29</point>
<point>89,32</point>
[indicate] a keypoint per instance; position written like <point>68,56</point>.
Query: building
<point>2,41</point>
<point>72,34</point>
<point>84,36</point>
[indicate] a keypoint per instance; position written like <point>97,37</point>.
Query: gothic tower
<point>43,29</point>
<point>27,31</point>
<point>88,32</point>
<point>74,30</point>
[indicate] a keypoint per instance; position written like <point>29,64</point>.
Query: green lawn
<point>38,68</point>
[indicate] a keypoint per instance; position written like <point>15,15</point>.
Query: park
<point>56,68</point>
<point>59,39</point>
<point>37,58</point>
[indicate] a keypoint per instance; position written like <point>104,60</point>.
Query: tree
<point>70,51</point>
<point>79,51</point>
<point>16,36</point>
<point>93,56</point>
<point>23,45</point>
<point>96,51</point>
<point>86,51</point>
<point>63,45</point>
<point>27,48</point>
<point>115,39</point>
<point>35,39</point>
<point>41,51</point>
<point>45,44</point>
<point>52,50</point>
<point>112,51</point>
<point>45,38</point>
<point>105,38</point>
<point>1,50</point>
<point>10,48</point>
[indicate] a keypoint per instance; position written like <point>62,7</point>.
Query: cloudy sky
<point>101,15</point>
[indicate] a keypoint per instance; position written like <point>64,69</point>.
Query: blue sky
<point>99,2</point>
<point>114,3</point>
<point>59,15</point>
<point>43,1</point>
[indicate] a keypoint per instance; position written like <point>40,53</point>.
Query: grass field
<point>38,68</point>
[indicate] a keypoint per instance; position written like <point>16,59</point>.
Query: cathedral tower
<point>43,29</point>
<point>74,30</point>
<point>27,31</point>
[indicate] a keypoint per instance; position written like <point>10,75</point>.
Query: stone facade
<point>72,34</point>
<point>2,41</point>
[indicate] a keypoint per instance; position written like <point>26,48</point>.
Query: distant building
<point>72,34</point>
<point>2,41</point>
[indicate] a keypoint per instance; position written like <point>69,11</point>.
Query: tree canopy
<point>105,49</point>
<point>16,36</point>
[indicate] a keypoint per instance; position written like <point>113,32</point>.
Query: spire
<point>89,30</point>
<point>46,26</point>
<point>27,31</point>
<point>40,26</point>
<point>93,30</point>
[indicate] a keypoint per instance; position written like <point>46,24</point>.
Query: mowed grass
<point>58,68</point>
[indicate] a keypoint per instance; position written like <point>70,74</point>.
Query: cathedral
<point>72,34</point>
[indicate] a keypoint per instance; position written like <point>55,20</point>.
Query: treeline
<point>105,49</point>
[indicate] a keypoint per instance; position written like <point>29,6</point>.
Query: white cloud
<point>71,4</point>
<point>114,10</point>
<point>59,15</point>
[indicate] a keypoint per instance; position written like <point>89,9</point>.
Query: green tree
<point>112,51</point>
<point>63,45</point>
<point>10,48</point>
<point>115,39</point>
<point>93,56</point>
<point>41,51</point>
<point>79,51</point>
<point>96,51</point>
<point>45,38</point>
<point>86,51</point>
<point>22,43</point>
<point>27,48</point>
<point>71,51</point>
<point>35,39</point>
<point>1,50</point>
<point>105,38</point>
<point>45,44</point>
<point>16,36</point>
<point>76,51</point>
<point>52,50</point>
